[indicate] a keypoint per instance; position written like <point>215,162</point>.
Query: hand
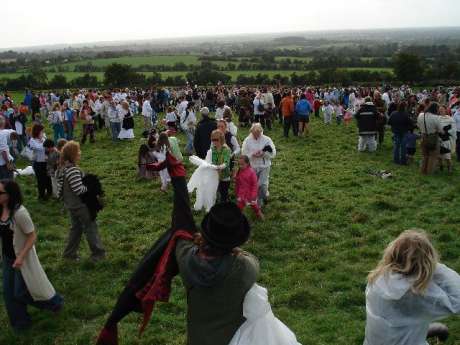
<point>18,262</point>
<point>10,166</point>
<point>221,167</point>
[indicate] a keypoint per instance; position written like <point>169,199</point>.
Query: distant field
<point>292,58</point>
<point>167,60</point>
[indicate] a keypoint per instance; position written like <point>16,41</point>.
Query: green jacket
<point>215,305</point>
<point>222,156</point>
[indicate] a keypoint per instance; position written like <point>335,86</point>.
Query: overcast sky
<point>43,22</point>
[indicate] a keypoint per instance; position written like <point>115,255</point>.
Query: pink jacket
<point>246,186</point>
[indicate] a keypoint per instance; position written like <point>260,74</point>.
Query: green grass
<point>326,226</point>
<point>168,60</point>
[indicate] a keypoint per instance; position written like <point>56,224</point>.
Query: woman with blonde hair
<point>71,188</point>
<point>127,128</point>
<point>407,291</point>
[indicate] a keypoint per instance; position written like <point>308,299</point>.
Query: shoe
<point>97,258</point>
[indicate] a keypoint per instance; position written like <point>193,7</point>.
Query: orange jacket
<point>287,106</point>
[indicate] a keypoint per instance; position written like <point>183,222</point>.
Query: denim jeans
<point>17,297</point>
<point>190,133</point>
<point>58,130</point>
<point>69,125</point>
<point>115,127</point>
<point>399,148</point>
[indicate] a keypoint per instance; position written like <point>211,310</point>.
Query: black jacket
<point>202,139</point>
<point>367,117</point>
<point>92,197</point>
<point>399,122</point>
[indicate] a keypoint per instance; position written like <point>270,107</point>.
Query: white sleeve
<point>209,156</point>
<point>236,147</point>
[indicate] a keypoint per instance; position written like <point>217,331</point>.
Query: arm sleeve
<point>75,181</point>
<point>271,155</point>
<point>24,221</point>
<point>236,146</point>
<point>156,166</point>
<point>444,298</point>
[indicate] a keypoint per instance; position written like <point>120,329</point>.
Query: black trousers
<point>223,190</point>
<point>288,122</point>
<point>44,186</point>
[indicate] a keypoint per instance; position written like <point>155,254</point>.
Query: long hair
<point>411,255</point>
<point>15,199</point>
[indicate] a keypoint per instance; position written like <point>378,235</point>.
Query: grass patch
<point>327,224</point>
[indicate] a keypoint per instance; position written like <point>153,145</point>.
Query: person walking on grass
<point>260,150</point>
<point>429,125</point>
<point>44,185</point>
<point>202,136</point>
<point>288,112</point>
<point>303,110</point>
<point>220,155</point>
<point>400,125</point>
<point>407,291</point>
<point>70,189</point>
<point>24,280</point>
<point>115,120</point>
<point>366,118</point>
<point>447,139</point>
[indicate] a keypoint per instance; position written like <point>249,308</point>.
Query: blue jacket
<point>303,108</point>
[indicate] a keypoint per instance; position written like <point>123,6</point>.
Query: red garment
<point>317,104</point>
<point>246,186</point>
<point>159,287</point>
<point>174,166</point>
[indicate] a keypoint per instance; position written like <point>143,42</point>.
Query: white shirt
<point>457,119</point>
<point>147,110</point>
<point>189,121</point>
<point>39,151</point>
<point>171,117</point>
<point>4,147</point>
<point>182,106</point>
<point>220,112</point>
<point>252,145</point>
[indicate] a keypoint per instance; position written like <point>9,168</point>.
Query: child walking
<point>328,112</point>
<point>52,160</point>
<point>246,186</point>
<point>411,145</point>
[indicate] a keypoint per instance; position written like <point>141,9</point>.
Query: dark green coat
<point>215,313</point>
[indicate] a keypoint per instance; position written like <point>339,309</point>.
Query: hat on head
<point>204,111</point>
<point>225,226</point>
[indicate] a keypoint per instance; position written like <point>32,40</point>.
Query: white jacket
<point>251,146</point>
<point>397,316</point>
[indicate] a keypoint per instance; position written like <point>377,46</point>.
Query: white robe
<point>205,180</point>
<point>261,326</point>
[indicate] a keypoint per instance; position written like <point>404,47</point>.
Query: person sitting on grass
<point>407,291</point>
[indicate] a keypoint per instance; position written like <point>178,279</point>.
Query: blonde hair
<point>220,135</point>
<point>256,127</point>
<point>411,255</point>
<point>70,152</point>
<point>56,106</point>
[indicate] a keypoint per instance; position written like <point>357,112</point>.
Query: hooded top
<point>398,316</point>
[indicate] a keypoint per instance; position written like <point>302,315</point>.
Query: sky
<point>43,22</point>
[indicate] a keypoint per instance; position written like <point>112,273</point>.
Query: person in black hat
<point>217,275</point>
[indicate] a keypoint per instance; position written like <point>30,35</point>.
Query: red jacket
<point>246,184</point>
<point>174,166</point>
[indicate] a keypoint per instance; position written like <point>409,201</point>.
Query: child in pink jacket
<point>246,186</point>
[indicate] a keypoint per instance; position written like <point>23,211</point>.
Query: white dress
<point>205,180</point>
<point>125,133</point>
<point>261,326</point>
<point>164,175</point>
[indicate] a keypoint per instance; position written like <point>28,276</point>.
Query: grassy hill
<point>326,226</point>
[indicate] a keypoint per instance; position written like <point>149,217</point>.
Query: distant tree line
<point>408,68</point>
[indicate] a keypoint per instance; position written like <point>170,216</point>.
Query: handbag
<point>260,106</point>
<point>430,141</point>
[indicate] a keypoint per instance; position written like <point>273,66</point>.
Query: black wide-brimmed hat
<point>225,226</point>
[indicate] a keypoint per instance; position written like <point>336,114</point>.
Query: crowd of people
<point>407,291</point>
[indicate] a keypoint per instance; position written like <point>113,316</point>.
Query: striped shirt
<point>73,176</point>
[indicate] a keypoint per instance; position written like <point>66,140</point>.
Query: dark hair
<point>163,140</point>
<point>190,105</point>
<point>402,107</point>
<point>246,159</point>
<point>36,130</point>
<point>143,150</point>
<point>302,96</point>
<point>14,194</point>
<point>433,108</point>
<point>48,144</point>
<point>220,104</point>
